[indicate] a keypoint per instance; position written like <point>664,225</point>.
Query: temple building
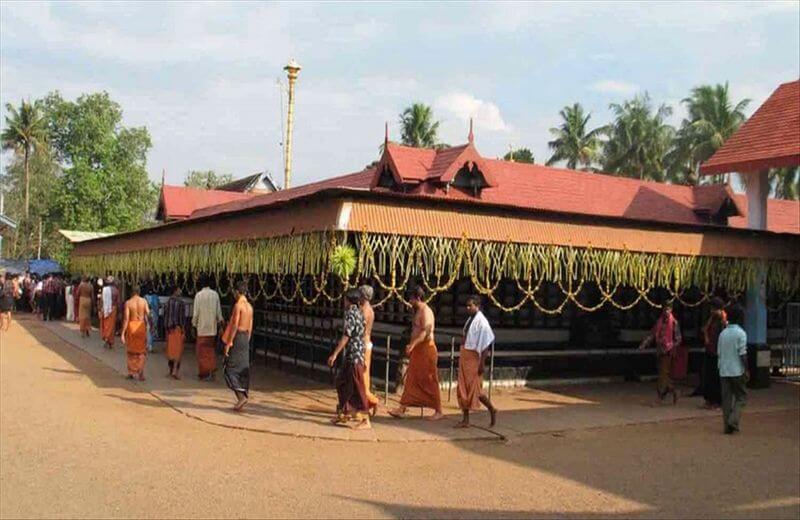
<point>573,266</point>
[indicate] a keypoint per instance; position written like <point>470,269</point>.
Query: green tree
<point>104,185</point>
<point>25,132</point>
<point>785,182</point>
<point>520,155</point>
<point>638,139</point>
<point>573,143</point>
<point>206,179</point>
<point>418,127</point>
<point>711,119</point>
<point>44,177</point>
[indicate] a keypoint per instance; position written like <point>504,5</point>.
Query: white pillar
<point>757,187</point>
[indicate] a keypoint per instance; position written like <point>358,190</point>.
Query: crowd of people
<point>723,376</point>
<point>46,296</point>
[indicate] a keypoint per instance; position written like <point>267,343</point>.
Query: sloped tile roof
<point>541,188</point>
<point>179,202</point>
<point>769,139</point>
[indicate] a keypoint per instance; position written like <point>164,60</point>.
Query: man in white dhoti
<point>475,348</point>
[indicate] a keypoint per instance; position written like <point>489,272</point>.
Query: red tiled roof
<point>783,216</point>
<point>358,180</point>
<point>769,139</point>
<point>542,188</point>
<point>178,202</point>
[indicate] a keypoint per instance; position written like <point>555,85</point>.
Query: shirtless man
<point>422,377</point>
<point>369,319</point>
<point>237,346</point>
<point>134,333</point>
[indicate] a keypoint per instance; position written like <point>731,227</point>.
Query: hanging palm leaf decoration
<point>343,261</point>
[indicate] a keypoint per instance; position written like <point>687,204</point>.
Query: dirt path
<point>77,440</point>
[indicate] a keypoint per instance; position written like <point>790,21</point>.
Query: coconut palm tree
<point>25,132</point>
<point>711,119</point>
<point>785,182</point>
<point>418,127</point>
<point>572,142</point>
<point>638,139</point>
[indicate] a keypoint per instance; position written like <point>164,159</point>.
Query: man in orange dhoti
<point>134,333</point>
<point>422,377</point>
<point>85,306</point>
<point>478,337</point>
<point>175,325</point>
<point>108,312</point>
<point>206,318</point>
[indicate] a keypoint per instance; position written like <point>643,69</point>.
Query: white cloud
<point>611,86</point>
<point>465,106</point>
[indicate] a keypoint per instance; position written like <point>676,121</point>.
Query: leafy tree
<point>104,185</point>
<point>573,143</point>
<point>25,133</point>
<point>785,182</point>
<point>418,127</point>
<point>520,155</point>
<point>712,118</point>
<point>638,139</point>
<point>206,179</point>
<point>44,177</point>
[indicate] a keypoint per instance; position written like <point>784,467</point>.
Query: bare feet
<point>240,404</point>
<point>363,424</point>
<point>492,417</point>
<point>340,420</point>
<point>398,413</point>
<point>462,424</point>
<point>438,416</point>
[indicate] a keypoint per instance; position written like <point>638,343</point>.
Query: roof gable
<point>412,166</point>
<point>769,139</point>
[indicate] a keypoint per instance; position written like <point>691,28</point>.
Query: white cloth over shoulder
<point>108,301</point>
<point>480,335</point>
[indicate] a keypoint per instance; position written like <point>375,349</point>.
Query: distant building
<point>178,202</point>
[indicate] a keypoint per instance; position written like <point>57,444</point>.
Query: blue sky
<point>202,76</point>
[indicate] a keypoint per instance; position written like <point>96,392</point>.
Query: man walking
<point>369,320</point>
<point>206,318</point>
<point>478,337</point>
<point>109,301</point>
<point>175,326</point>
<point>666,334</point>
<point>733,372</point>
<point>237,346</point>
<point>49,290</point>
<point>134,333</point>
<point>422,377</point>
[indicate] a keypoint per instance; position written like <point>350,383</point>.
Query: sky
<point>203,77</point>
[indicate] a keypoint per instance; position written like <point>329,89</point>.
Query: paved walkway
<point>286,404</point>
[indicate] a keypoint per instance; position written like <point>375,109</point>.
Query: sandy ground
<point>77,440</point>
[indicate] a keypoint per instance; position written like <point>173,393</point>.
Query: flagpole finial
<point>471,136</point>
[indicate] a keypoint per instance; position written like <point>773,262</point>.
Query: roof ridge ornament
<point>386,136</point>
<point>471,136</point>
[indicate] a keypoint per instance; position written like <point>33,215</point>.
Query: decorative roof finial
<point>386,136</point>
<point>163,176</point>
<point>471,137</point>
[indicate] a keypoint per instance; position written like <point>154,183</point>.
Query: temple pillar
<point>755,320</point>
